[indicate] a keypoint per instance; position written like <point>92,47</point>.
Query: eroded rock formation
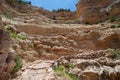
<point>95,11</point>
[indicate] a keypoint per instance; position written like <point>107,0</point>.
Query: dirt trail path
<point>38,70</point>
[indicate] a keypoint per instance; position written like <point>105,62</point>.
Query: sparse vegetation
<point>63,72</point>
<point>117,54</point>
<point>10,1</point>
<point>71,65</point>
<point>22,37</point>
<point>62,10</point>
<point>117,25</point>
<point>24,2</point>
<point>15,36</point>
<point>7,16</point>
<point>19,1</point>
<point>77,21</point>
<point>112,19</point>
<point>18,62</point>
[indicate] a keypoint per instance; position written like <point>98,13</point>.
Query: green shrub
<point>117,54</point>
<point>63,72</point>
<point>15,36</point>
<point>117,25</point>
<point>71,65</point>
<point>22,37</point>
<point>73,77</point>
<point>18,62</point>
<point>60,68</point>
<point>112,19</point>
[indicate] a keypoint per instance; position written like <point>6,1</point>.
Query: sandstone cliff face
<point>94,11</point>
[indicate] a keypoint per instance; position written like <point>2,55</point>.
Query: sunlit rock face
<point>95,11</point>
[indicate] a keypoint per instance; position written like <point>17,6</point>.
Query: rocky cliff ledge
<point>95,11</point>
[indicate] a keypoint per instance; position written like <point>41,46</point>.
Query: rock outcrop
<point>95,11</point>
<point>100,65</point>
<point>6,56</point>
